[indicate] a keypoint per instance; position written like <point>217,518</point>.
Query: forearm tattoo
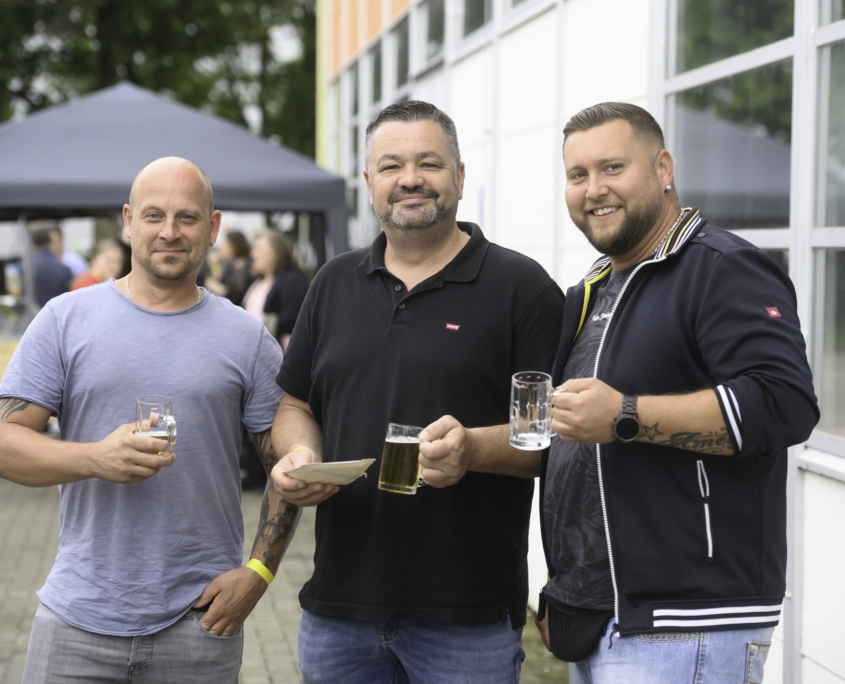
<point>276,527</point>
<point>264,447</point>
<point>11,405</point>
<point>275,530</point>
<point>715,442</point>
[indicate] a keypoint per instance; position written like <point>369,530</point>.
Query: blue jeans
<point>335,650</point>
<point>732,657</point>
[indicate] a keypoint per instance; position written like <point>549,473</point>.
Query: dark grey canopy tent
<point>79,159</point>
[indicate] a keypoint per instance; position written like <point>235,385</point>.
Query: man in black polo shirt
<point>425,327</point>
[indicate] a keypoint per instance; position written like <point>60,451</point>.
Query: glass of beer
<point>154,418</point>
<point>531,406</point>
<point>400,462</point>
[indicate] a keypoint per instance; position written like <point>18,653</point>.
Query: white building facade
<point>751,96</point>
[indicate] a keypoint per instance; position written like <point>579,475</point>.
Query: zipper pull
<point>614,630</point>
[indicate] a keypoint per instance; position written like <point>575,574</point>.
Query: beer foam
<point>403,440</point>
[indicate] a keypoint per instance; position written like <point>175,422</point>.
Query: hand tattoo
<point>10,405</point>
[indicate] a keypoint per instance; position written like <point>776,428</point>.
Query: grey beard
<point>431,216</point>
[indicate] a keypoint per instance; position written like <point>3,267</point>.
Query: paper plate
<point>338,472</point>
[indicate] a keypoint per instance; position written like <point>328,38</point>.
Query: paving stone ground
<point>29,530</point>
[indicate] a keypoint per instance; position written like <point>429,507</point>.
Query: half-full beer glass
<point>531,406</point>
<point>154,418</point>
<point>400,462</point>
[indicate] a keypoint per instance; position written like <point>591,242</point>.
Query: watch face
<point>627,428</point>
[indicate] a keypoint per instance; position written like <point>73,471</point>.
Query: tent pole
<point>30,304</point>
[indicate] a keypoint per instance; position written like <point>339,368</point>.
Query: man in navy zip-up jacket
<point>683,379</point>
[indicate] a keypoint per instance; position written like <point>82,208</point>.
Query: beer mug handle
<point>170,428</point>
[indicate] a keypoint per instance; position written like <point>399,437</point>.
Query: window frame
<point>803,237</point>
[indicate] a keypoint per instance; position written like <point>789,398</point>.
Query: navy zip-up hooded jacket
<point>697,542</point>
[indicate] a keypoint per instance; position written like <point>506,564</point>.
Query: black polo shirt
<point>366,352</point>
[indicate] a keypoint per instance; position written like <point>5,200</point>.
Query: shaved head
<point>172,163</point>
<point>170,220</point>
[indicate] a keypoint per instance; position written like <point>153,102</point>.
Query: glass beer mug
<point>154,418</point>
<point>400,460</point>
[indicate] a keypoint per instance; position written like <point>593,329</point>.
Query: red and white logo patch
<point>773,311</point>
<point>452,326</point>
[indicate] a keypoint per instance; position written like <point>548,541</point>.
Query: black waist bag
<point>573,632</point>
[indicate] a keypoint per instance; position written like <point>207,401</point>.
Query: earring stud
<point>668,188</point>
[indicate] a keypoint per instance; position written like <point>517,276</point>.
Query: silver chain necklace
<point>665,237</point>
<point>129,292</point>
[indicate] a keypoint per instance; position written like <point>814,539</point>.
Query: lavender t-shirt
<point>133,558</point>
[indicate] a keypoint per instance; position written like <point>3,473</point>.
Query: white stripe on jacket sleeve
<point>731,416</point>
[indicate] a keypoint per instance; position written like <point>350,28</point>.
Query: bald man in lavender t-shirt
<point>150,550</point>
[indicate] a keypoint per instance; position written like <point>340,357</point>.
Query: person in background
<point>106,262</point>
<point>277,294</point>
<point>234,278</point>
<point>52,277</point>
<point>68,257</point>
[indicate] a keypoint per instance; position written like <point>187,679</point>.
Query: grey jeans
<point>183,653</point>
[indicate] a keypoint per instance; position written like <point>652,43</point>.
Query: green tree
<point>215,55</point>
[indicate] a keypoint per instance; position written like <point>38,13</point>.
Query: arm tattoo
<point>715,442</point>
<point>10,405</point>
<point>275,532</point>
<point>276,527</point>
<point>264,447</point>
<point>651,432</point>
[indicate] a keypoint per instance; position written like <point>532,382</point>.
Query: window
<point>830,184</point>
<point>732,146</point>
<point>400,42</point>
<point>354,161</point>
<point>780,257</point>
<point>352,202</point>
<point>375,73</point>
<point>476,14</point>
<point>710,30</point>
<point>353,89</point>
<point>433,28</point>
<point>829,336</point>
<point>831,10</point>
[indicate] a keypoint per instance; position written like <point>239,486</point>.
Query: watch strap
<point>629,405</point>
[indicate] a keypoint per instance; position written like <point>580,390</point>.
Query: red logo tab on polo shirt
<point>452,326</point>
<point>773,311</point>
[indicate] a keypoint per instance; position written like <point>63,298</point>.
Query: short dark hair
<point>642,123</point>
<point>41,236</point>
<point>409,111</point>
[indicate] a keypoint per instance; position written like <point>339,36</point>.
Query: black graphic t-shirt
<point>572,504</point>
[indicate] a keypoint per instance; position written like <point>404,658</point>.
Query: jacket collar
<point>676,240</point>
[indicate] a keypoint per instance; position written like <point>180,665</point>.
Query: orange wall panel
<point>374,19</point>
<point>397,7</point>
<point>352,43</point>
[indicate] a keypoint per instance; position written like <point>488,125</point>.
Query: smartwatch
<point>627,427</point>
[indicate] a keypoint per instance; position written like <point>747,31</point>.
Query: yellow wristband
<point>298,448</point>
<point>259,567</point>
